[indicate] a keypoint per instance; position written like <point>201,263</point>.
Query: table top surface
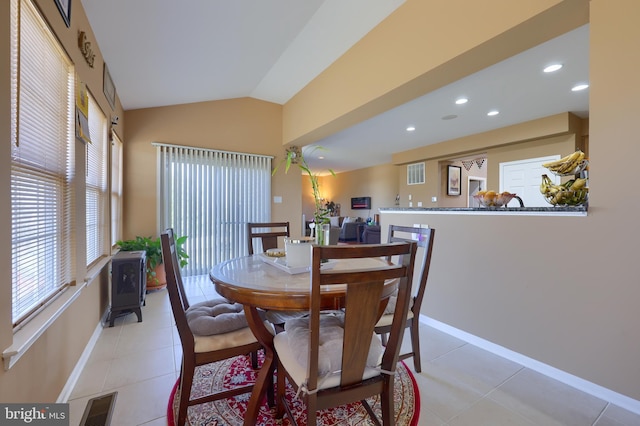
<point>251,280</point>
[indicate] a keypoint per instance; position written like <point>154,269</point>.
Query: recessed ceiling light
<point>492,113</point>
<point>449,117</point>
<point>552,68</point>
<point>579,87</point>
<point>411,128</point>
<point>461,101</point>
<point>321,157</point>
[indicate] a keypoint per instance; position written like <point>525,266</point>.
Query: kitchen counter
<point>516,211</point>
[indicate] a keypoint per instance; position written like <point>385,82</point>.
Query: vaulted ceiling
<point>162,52</point>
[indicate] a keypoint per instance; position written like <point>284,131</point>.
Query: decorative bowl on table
<point>493,198</point>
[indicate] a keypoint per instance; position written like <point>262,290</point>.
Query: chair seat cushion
<point>216,342</point>
<point>299,373</point>
<point>391,305</point>
<point>281,317</point>
<point>331,339</point>
<point>386,319</point>
<point>215,316</point>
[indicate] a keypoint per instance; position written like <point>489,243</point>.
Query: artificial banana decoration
<point>578,184</point>
<point>571,193</point>
<point>571,164</point>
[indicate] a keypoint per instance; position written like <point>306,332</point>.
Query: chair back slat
<point>175,288</point>
<point>268,232</point>
<point>424,238</point>
<point>364,288</point>
<point>364,299</point>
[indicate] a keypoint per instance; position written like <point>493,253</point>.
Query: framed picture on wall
<point>454,175</point>
<point>108,88</point>
<point>64,6</point>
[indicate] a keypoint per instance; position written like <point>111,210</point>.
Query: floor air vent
<point>99,410</point>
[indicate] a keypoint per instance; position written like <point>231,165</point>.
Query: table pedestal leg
<point>264,380</point>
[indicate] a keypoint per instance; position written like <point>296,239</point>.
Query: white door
<point>523,178</point>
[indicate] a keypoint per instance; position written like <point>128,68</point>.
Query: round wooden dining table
<point>258,282</point>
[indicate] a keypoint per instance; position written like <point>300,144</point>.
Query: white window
<point>415,174</point>
<point>42,163</point>
<point>97,196</point>
<point>209,196</point>
<point>116,188</point>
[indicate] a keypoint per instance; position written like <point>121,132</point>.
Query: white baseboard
<point>562,376</point>
<point>82,362</point>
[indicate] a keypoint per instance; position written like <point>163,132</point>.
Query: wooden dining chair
<point>333,360</point>
<point>199,350</point>
<point>267,232</point>
<point>424,238</point>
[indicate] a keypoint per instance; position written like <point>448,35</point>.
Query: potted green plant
<point>330,206</point>
<point>321,214</point>
<point>156,277</point>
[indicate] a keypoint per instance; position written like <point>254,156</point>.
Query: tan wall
<point>379,183</point>
<point>41,373</point>
<point>238,125</point>
<point>417,50</point>
<point>560,290</point>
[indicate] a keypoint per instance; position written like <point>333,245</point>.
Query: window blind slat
<point>96,184</point>
<point>42,157</point>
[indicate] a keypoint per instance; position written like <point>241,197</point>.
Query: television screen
<point>361,203</point>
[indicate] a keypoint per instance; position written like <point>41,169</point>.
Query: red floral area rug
<point>237,371</point>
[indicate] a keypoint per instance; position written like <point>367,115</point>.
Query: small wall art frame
<point>108,88</point>
<point>64,6</point>
<point>454,176</point>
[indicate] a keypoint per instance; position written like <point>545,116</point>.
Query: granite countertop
<point>568,210</point>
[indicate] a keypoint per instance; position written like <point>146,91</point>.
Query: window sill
<point>26,336</point>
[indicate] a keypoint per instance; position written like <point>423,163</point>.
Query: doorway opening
<point>474,185</point>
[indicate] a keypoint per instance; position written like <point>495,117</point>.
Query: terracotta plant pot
<point>159,281</point>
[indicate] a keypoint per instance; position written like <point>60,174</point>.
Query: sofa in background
<point>349,228</point>
<point>371,234</point>
<point>343,228</point>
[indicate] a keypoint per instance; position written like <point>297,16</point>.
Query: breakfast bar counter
<point>510,211</point>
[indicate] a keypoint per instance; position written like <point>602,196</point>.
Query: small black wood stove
<point>128,284</point>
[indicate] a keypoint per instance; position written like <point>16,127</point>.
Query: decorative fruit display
<point>493,198</point>
<point>572,164</point>
<point>571,193</point>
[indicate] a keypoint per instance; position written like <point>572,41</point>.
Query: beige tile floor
<point>460,385</point>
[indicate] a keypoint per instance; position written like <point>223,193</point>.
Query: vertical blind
<point>210,196</point>
<point>96,184</point>
<point>42,163</point>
